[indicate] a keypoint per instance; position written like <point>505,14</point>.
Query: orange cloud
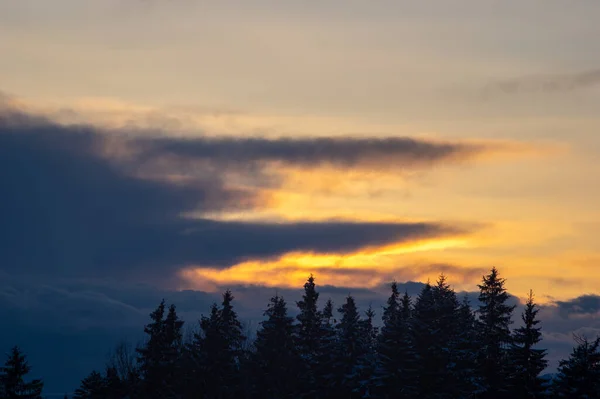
<point>366,268</point>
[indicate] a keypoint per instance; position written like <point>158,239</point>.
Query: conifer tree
<point>159,357</point>
<point>465,352</point>
<point>389,370</point>
<point>350,349</point>
<point>425,344</point>
<point>579,375</point>
<point>309,338</point>
<point>367,363</point>
<point>494,335</point>
<point>275,362</point>
<point>396,358</point>
<point>198,355</point>
<point>115,387</point>
<point>216,354</point>
<point>527,361</point>
<point>435,332</point>
<point>92,387</point>
<point>447,329</point>
<point>324,368</point>
<point>12,378</point>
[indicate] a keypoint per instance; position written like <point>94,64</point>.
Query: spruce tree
<point>367,363</point>
<point>216,354</point>
<point>350,349</point>
<point>159,357</point>
<point>527,361</point>
<point>425,343</point>
<point>199,355</point>
<point>12,378</point>
<point>465,352</point>
<point>115,387</point>
<point>325,367</point>
<point>494,335</point>
<point>579,375</point>
<point>92,387</point>
<point>173,352</point>
<point>389,370</point>
<point>394,377</point>
<point>435,332</point>
<point>276,360</point>
<point>309,338</point>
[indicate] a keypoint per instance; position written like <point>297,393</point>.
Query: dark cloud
<point>562,319</point>
<point>394,152</point>
<point>585,305</point>
<point>544,83</point>
<point>69,207</point>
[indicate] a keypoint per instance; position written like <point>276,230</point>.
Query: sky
<point>176,148</point>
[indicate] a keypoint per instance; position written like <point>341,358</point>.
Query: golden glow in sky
<point>196,68</point>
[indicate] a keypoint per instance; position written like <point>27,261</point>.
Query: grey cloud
<point>69,209</point>
<point>585,305</point>
<point>544,83</point>
<point>394,152</point>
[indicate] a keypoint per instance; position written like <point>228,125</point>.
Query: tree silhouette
<point>159,357</point>
<point>216,354</point>
<point>92,387</point>
<point>494,335</point>
<point>579,375</point>
<point>275,364</point>
<point>12,378</point>
<point>437,348</point>
<point>527,361</point>
<point>309,338</point>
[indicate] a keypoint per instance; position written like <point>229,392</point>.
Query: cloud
<point>74,203</point>
<point>562,319</point>
<point>544,83</point>
<point>585,305</point>
<point>376,153</point>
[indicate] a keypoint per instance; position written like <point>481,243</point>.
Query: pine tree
<point>309,338</point>
<point>350,349</point>
<point>389,370</point>
<point>367,363</point>
<point>435,332</point>
<point>527,362</point>
<point>425,343</point>
<point>231,330</point>
<point>494,335</point>
<point>324,368</point>
<point>92,387</point>
<point>275,362</point>
<point>216,353</point>
<point>159,357</point>
<point>396,358</point>
<point>579,375</point>
<point>173,352</point>
<point>199,355</point>
<point>12,378</point>
<point>465,352</point>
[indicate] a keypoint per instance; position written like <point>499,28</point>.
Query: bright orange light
<point>290,270</point>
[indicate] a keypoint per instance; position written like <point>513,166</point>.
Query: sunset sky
<point>199,145</point>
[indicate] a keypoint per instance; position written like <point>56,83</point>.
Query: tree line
<point>432,346</point>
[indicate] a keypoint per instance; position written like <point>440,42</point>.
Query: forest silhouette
<point>432,346</point>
